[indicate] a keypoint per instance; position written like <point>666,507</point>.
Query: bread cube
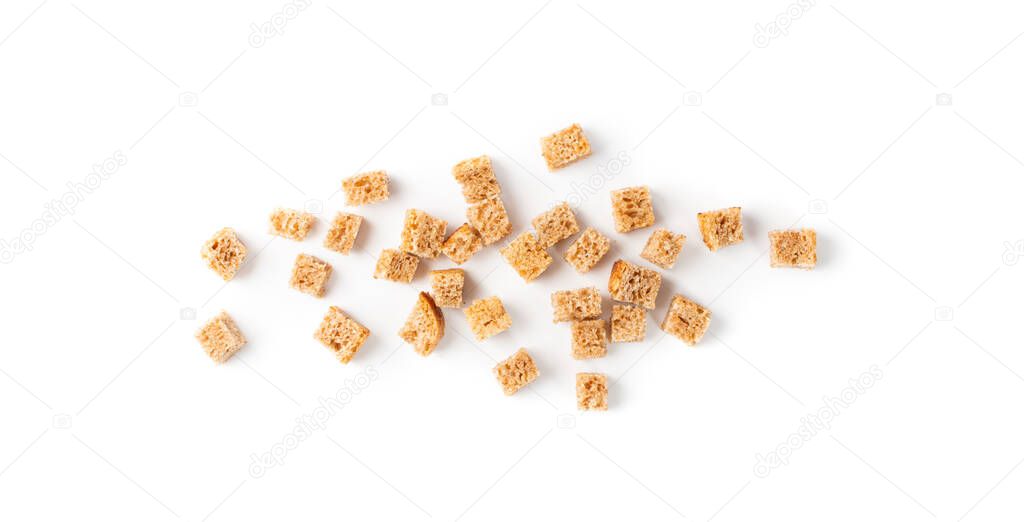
<point>516,372</point>
<point>629,283</point>
<point>462,244</point>
<point>686,320</point>
<point>366,188</point>
<point>591,391</point>
<point>663,248</point>
<point>291,224</point>
<point>310,275</point>
<point>632,208</point>
<point>224,253</point>
<point>477,179</point>
<point>424,327</point>
<point>794,248</point>
<point>721,228</point>
<point>487,317</point>
<point>555,225</point>
<point>526,256</point>
<point>341,334</point>
<point>589,339</point>
<point>564,147</point>
<point>422,234</point>
<point>395,265</point>
<point>490,219</point>
<point>587,250</point>
<point>220,337</point>
<point>629,324</point>
<point>446,287</point>
<point>575,305</point>
<point>342,234</point>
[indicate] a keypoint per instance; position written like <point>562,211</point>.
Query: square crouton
<point>342,234</point>
<point>632,208</point>
<point>555,225</point>
<point>341,334</point>
<point>721,228</point>
<point>422,234</point>
<point>424,327</point>
<point>477,179</point>
<point>462,244</point>
<point>310,275</point>
<point>794,248</point>
<point>663,248</point>
<point>220,337</point>
<point>490,219</point>
<point>366,188</point>
<point>224,253</point>
<point>564,147</point>
<point>587,250</point>
<point>446,287</point>
<point>629,283</point>
<point>576,305</point>
<point>589,339</point>
<point>395,265</point>
<point>629,324</point>
<point>591,391</point>
<point>526,255</point>
<point>516,372</point>
<point>487,317</point>
<point>686,320</point>
<point>291,224</point>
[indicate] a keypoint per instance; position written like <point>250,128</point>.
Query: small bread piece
<point>366,188</point>
<point>477,179</point>
<point>721,228</point>
<point>794,248</point>
<point>462,244</point>
<point>591,391</point>
<point>587,250</point>
<point>589,339</point>
<point>220,337</point>
<point>490,219</point>
<point>663,248</point>
<point>564,147</point>
<point>629,324</point>
<point>555,225</point>
<point>516,372</point>
<point>487,317</point>
<point>576,305</point>
<point>310,275</point>
<point>446,287</point>
<point>291,224</point>
<point>425,326</point>
<point>341,334</point>
<point>224,253</point>
<point>422,234</point>
<point>526,255</point>
<point>686,320</point>
<point>632,208</point>
<point>395,265</point>
<point>630,283</point>
<point>342,234</point>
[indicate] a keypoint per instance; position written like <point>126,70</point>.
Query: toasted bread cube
<point>721,228</point>
<point>686,320</point>
<point>663,248</point>
<point>629,283</point>
<point>487,317</point>
<point>310,275</point>
<point>587,250</point>
<point>224,253</point>
<point>446,287</point>
<point>516,372</point>
<point>425,326</point>
<point>341,334</point>
<point>629,324</point>
<point>342,234</point>
<point>564,147</point>
<point>490,219</point>
<point>632,208</point>
<point>462,244</point>
<point>576,305</point>
<point>291,224</point>
<point>589,339</point>
<point>555,225</point>
<point>422,234</point>
<point>477,179</point>
<point>526,256</point>
<point>794,248</point>
<point>220,337</point>
<point>366,188</point>
<point>591,391</point>
<point>395,265</point>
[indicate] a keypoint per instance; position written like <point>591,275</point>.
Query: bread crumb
<point>629,283</point>
<point>490,219</point>
<point>555,225</point>
<point>220,337</point>
<point>663,248</point>
<point>686,320</point>
<point>422,234</point>
<point>462,244</point>
<point>794,248</point>
<point>310,275</point>
<point>291,224</point>
<point>591,391</point>
<point>629,324</point>
<point>632,208</point>
<point>487,317</point>
<point>366,188</point>
<point>224,253</point>
<point>587,250</point>
<point>589,339</point>
<point>342,234</point>
<point>564,147</point>
<point>526,256</point>
<point>446,287</point>
<point>721,228</point>
<point>343,335</point>
<point>477,179</point>
<point>425,326</point>
<point>396,266</point>
<point>516,372</point>
<point>575,305</point>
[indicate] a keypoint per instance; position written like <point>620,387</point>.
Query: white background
<point>112,411</point>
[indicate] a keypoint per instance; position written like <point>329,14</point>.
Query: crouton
<point>291,224</point>
<point>632,208</point>
<point>341,334</point>
<point>575,305</point>
<point>555,225</point>
<point>516,372</point>
<point>629,324</point>
<point>477,179</point>
<point>342,234</point>
<point>422,234</point>
<point>629,283</point>
<point>564,147</point>
<point>396,266</point>
<point>589,339</point>
<point>220,337</point>
<point>721,228</point>
<point>663,248</point>
<point>310,275</point>
<point>487,317</point>
<point>224,253</point>
<point>587,250</point>
<point>462,244</point>
<point>446,287</point>
<point>794,248</point>
<point>686,320</point>
<point>366,188</point>
<point>591,391</point>
<point>490,219</point>
<point>424,327</point>
<point>526,256</point>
